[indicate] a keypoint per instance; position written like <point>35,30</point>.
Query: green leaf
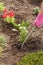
<point>25,24</point>
<point>1,6</point>
<point>2,41</point>
<point>23,30</point>
<point>12,19</point>
<point>7,19</point>
<point>14,23</point>
<point>36,10</point>
<point>23,34</point>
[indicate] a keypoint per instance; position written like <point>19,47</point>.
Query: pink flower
<point>39,21</point>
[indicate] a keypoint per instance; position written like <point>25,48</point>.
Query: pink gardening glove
<point>39,21</point>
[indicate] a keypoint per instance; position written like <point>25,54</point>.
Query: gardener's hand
<point>39,21</point>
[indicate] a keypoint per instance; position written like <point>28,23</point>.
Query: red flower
<point>5,10</point>
<point>11,13</point>
<point>5,15</point>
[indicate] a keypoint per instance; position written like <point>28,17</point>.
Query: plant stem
<point>33,28</point>
<point>15,25</point>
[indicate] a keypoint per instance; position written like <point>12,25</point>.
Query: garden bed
<point>23,11</point>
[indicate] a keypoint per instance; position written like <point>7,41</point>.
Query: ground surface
<point>23,11</point>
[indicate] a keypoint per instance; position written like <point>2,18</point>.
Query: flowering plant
<point>9,17</point>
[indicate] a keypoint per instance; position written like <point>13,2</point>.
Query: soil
<point>23,11</point>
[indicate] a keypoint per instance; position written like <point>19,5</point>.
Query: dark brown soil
<point>23,11</point>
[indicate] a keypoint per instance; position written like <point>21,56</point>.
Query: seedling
<point>36,10</point>
<point>2,43</point>
<point>23,30</point>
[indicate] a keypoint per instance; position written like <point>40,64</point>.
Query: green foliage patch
<point>35,58</point>
<point>2,41</point>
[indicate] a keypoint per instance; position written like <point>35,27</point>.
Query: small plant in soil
<point>2,43</point>
<point>23,30</point>
<point>9,17</point>
<point>36,10</point>
<point>35,58</point>
<point>22,27</point>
